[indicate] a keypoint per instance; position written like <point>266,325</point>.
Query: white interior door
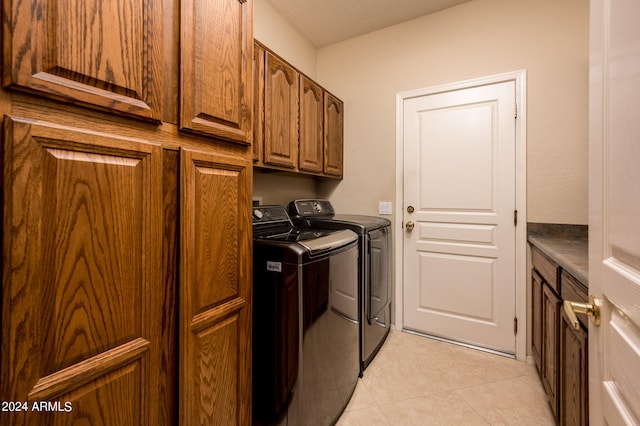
<point>459,196</point>
<point>614,212</point>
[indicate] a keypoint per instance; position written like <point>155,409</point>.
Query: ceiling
<point>326,22</point>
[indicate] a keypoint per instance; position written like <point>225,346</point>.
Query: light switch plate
<point>384,207</point>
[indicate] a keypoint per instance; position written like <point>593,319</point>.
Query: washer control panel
<point>269,214</point>
<point>305,208</point>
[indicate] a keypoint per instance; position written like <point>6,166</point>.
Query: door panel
<point>280,113</point>
<point>333,135</point>
<point>82,300</point>
<point>311,126</point>
<point>215,321</point>
<point>614,212</point>
<point>216,46</point>
<point>378,295</point>
<point>459,159</point>
<point>76,54</point>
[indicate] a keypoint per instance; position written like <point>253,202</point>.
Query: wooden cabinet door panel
<point>311,126</point>
<point>103,54</point>
<point>258,102</point>
<point>550,345</point>
<point>215,289</point>
<point>536,318</point>
<point>216,48</point>
<point>82,290</point>
<point>333,135</point>
<point>280,113</point>
<point>574,372</point>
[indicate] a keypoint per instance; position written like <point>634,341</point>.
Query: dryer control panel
<point>269,214</point>
<point>310,207</point>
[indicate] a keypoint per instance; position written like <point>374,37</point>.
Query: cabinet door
<point>104,54</point>
<point>216,46</point>
<point>82,291</point>
<point>280,113</point>
<point>258,102</point>
<point>311,126</point>
<point>574,374</point>
<point>536,318</point>
<point>550,318</point>
<point>333,135</point>
<point>215,289</point>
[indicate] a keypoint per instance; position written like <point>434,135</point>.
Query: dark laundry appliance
<point>374,272</point>
<point>305,321</point>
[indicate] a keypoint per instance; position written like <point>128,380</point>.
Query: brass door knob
<point>592,309</point>
<point>410,226</point>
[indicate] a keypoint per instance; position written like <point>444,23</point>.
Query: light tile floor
<point>415,380</point>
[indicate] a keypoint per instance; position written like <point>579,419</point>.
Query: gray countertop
<point>570,250</point>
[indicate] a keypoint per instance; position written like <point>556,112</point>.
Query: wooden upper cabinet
<point>280,113</point>
<point>216,46</point>
<point>215,289</point>
<point>82,305</point>
<point>258,101</point>
<point>333,135</point>
<point>311,126</point>
<point>298,124</point>
<point>104,54</point>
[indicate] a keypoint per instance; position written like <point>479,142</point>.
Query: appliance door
<point>378,284</point>
<point>330,351</point>
<point>276,337</point>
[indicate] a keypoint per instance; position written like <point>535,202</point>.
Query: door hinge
<point>515,325</point>
<point>515,110</point>
<point>515,218</point>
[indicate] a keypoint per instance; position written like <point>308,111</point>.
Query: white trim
<point>520,79</point>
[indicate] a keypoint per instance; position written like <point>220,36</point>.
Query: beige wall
<point>280,36</point>
<point>548,38</point>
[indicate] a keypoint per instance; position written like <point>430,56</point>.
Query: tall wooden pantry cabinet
<point>126,192</point>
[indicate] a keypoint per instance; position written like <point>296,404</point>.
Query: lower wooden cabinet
<point>536,318</point>
<point>559,350</point>
<point>126,290</point>
<point>215,322</point>
<point>574,377</point>
<point>550,316</point>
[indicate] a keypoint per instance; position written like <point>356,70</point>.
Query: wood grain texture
<point>215,289</point>
<point>106,55</point>
<point>574,372</point>
<point>547,268</point>
<point>311,126</point>
<point>216,47</point>
<point>333,135</point>
<point>168,385</point>
<point>536,319</point>
<point>280,113</point>
<point>81,283</point>
<point>550,344</point>
<point>258,102</point>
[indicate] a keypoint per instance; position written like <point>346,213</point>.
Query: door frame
<point>520,79</point>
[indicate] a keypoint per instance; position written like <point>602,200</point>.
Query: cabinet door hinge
<point>515,110</point>
<point>515,325</point>
<point>515,218</point>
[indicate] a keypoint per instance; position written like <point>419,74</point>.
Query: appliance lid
<point>289,234</point>
<point>328,242</point>
<point>368,222</point>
